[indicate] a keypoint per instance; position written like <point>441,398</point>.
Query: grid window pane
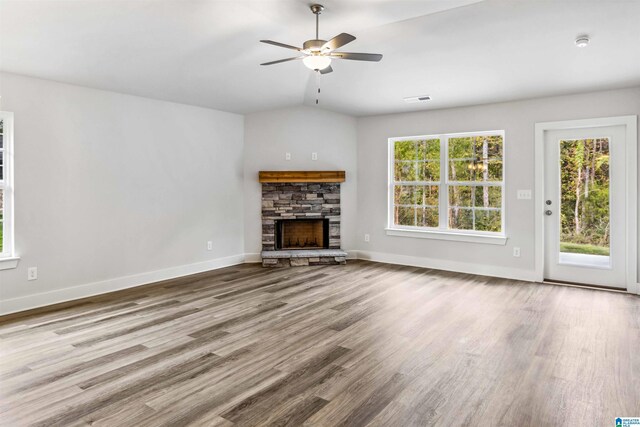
<point>404,195</point>
<point>405,150</point>
<point>428,171</point>
<point>476,158</point>
<point>488,147</point>
<point>471,161</point>
<point>405,170</point>
<point>460,219</point>
<point>488,197</point>
<point>488,220</point>
<point>428,149</point>
<point>428,217</point>
<point>460,196</point>
<point>461,148</point>
<point>494,170</point>
<point>459,170</point>
<point>405,215</point>
<point>426,195</point>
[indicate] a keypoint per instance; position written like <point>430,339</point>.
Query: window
<point>449,184</point>
<point>6,189</point>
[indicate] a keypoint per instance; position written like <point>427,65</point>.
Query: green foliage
<point>416,162</point>
<point>584,201</point>
<point>470,159</point>
<point>576,248</point>
<point>475,159</point>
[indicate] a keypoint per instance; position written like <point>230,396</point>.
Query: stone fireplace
<point>301,218</point>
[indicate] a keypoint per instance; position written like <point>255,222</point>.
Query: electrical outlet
<point>516,252</point>
<point>314,156</point>
<point>32,273</point>
<point>287,156</point>
<point>367,238</point>
<point>209,245</point>
<point>524,194</point>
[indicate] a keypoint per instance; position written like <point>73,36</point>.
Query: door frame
<point>631,191</point>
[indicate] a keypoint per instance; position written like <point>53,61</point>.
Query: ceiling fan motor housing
<point>313,45</point>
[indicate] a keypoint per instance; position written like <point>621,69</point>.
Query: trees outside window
<point>448,182</point>
<point>584,200</point>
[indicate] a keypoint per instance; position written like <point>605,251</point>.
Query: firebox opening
<point>302,234</point>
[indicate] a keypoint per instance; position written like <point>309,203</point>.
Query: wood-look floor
<point>361,344</point>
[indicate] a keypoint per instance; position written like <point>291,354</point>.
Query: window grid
<point>6,189</point>
<point>445,183</point>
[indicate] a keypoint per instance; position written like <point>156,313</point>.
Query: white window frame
<point>442,232</point>
<point>8,259</point>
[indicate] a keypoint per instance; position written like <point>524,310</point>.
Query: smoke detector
<point>582,41</point>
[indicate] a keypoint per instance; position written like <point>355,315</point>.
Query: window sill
<point>448,235</point>
<point>9,263</point>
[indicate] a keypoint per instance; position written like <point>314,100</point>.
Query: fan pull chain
<point>318,86</point>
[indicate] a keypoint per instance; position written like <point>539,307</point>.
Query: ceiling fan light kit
<point>316,63</point>
<point>317,53</point>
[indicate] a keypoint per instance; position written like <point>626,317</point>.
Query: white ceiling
<point>206,52</point>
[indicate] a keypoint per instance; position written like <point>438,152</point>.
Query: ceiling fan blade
<point>282,60</point>
<point>337,42</point>
<point>373,57</point>
<point>287,46</point>
<point>326,70</point>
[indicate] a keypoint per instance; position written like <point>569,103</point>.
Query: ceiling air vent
<point>421,98</point>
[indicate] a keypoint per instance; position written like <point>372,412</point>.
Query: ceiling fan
<point>317,54</point>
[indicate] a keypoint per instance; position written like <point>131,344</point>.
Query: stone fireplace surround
<point>300,200</point>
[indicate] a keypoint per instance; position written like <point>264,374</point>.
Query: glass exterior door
<point>584,206</point>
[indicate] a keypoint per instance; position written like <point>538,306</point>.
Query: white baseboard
<point>250,258</point>
<point>448,265</point>
<point>91,289</point>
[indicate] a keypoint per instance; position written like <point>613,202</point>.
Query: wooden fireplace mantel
<point>301,176</point>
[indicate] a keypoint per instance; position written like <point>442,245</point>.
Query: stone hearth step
<point>302,257</point>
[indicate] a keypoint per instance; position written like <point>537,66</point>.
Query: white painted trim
<point>251,258</point>
<point>9,263</point>
<point>448,265</point>
<point>448,235</point>
<point>444,183</point>
<point>352,254</point>
<point>9,189</point>
<point>631,127</point>
<point>97,288</point>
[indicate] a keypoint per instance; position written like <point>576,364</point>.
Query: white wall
<point>518,120</point>
<point>109,186</point>
<point>115,190</point>
<point>299,131</point>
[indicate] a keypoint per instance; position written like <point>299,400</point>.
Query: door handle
<point>548,212</point>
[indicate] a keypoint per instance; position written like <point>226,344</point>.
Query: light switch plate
<point>524,194</point>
